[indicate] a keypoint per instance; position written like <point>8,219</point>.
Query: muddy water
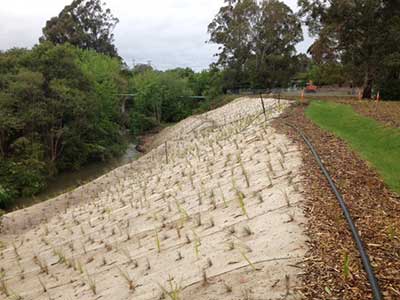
<point>70,180</point>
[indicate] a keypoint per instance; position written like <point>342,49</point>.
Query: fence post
<point>263,106</point>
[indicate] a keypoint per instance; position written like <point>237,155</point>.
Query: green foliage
<point>327,74</point>
<point>140,123</point>
<point>258,43</point>
<point>164,97</point>
<point>160,96</point>
<point>389,82</point>
<point>59,109</point>
<point>363,35</point>
<point>85,24</point>
<point>5,197</point>
<point>200,83</point>
<point>390,89</point>
<point>375,143</point>
<point>141,68</point>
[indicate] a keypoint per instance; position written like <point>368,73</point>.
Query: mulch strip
<point>386,112</point>
<point>374,208</point>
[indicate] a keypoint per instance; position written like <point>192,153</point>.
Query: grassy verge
<point>380,146</point>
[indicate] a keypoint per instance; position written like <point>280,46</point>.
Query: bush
<point>5,197</point>
<point>390,89</point>
<point>140,123</point>
<point>59,109</point>
<point>215,102</point>
<point>162,96</point>
<point>20,178</point>
<point>327,74</point>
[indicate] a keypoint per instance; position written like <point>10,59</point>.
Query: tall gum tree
<point>357,33</point>
<point>257,41</point>
<point>85,24</point>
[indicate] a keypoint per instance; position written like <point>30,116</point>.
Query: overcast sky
<point>169,33</point>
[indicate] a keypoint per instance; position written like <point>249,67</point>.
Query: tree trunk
<point>2,151</point>
<point>367,90</point>
<point>55,139</point>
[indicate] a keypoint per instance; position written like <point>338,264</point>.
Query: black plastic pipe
<point>376,291</point>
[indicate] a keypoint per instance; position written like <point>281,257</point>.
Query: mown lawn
<point>379,145</point>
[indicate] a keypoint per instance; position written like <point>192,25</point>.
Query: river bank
<point>67,181</point>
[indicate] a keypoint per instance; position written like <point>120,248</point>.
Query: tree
<point>359,33</point>
<point>161,96</point>
<point>141,68</point>
<point>85,24</point>
<point>326,74</point>
<point>257,42</point>
<point>59,109</point>
<point>232,28</point>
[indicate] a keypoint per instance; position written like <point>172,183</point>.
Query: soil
<point>374,208</point>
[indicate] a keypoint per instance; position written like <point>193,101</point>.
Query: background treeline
<point>357,43</point>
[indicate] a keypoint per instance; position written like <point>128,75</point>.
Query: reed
<point>125,275</point>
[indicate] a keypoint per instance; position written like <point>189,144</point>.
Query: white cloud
<point>170,33</point>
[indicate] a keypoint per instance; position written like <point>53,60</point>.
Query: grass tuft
<point>240,197</point>
<point>92,283</point>
<point>125,275</point>
<point>158,243</point>
<point>173,291</point>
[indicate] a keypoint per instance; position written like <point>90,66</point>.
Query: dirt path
<point>221,220</point>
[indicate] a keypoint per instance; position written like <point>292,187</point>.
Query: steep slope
<point>212,212</point>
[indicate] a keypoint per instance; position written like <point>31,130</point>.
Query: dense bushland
<point>59,109</point>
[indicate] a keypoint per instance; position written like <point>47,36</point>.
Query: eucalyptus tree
<point>85,24</point>
<point>257,41</point>
<point>364,35</point>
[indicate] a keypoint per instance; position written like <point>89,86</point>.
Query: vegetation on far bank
<point>377,144</point>
<point>62,107</point>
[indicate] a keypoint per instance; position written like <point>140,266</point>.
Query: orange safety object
<point>378,97</point>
